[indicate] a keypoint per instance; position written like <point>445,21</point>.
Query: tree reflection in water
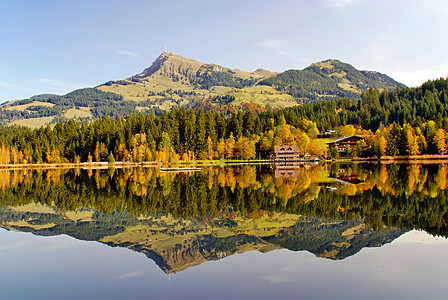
<point>182,219</point>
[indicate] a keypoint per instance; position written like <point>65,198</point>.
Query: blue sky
<point>58,46</point>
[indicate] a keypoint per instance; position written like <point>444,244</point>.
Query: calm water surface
<point>251,232</point>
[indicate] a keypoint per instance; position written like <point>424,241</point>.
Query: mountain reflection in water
<point>183,219</point>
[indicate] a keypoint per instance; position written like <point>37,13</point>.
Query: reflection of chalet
<point>346,177</point>
<point>349,178</point>
<point>286,152</point>
<point>342,142</point>
<point>286,173</point>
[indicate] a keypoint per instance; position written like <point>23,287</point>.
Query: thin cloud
<point>131,275</point>
<point>127,53</point>
<point>340,3</point>
<point>281,48</point>
<point>295,56</point>
<point>277,278</point>
<point>270,43</point>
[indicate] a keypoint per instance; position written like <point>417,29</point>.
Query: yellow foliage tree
<point>303,141</point>
<point>348,130</point>
<point>440,140</point>
<point>221,148</point>
<point>441,177</point>
<point>4,155</point>
<point>314,148</point>
<point>382,145</point>
<point>244,148</point>
<point>286,136</point>
<point>230,145</point>
<point>413,146</point>
<point>210,152</point>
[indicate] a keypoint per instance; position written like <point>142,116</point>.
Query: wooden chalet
<point>342,142</point>
<point>286,153</point>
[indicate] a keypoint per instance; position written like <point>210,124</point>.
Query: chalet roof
<point>345,138</point>
<point>286,148</point>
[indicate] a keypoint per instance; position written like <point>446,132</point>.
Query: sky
<point>59,46</point>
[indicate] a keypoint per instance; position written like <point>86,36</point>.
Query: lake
<point>334,231</point>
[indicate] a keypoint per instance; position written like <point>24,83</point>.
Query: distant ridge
<point>329,78</point>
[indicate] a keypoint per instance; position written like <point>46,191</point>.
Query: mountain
<point>172,81</point>
<point>328,79</point>
<point>198,75</point>
<point>176,244</point>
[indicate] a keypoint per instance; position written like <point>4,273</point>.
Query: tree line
<point>179,134</point>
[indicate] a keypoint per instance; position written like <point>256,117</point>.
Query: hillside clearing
<point>33,122</point>
<point>82,112</point>
<point>26,106</point>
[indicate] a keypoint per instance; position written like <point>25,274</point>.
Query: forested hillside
<point>379,108</point>
<point>329,79</point>
<point>96,103</point>
<point>399,122</point>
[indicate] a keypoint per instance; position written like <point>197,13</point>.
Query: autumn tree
<point>413,147</point>
<point>348,130</point>
<point>267,140</point>
<point>244,148</point>
<point>287,138</point>
<point>303,142</point>
<point>440,141</point>
<point>4,154</point>
<point>314,149</point>
<point>221,148</point>
<point>210,152</point>
<point>230,146</point>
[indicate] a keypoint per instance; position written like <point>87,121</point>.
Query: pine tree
<point>190,131</point>
<point>201,131</point>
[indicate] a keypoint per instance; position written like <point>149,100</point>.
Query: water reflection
<point>183,219</point>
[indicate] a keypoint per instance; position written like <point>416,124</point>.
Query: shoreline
<point>103,165</point>
<point>413,159</point>
<point>422,159</point>
<point>85,165</point>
